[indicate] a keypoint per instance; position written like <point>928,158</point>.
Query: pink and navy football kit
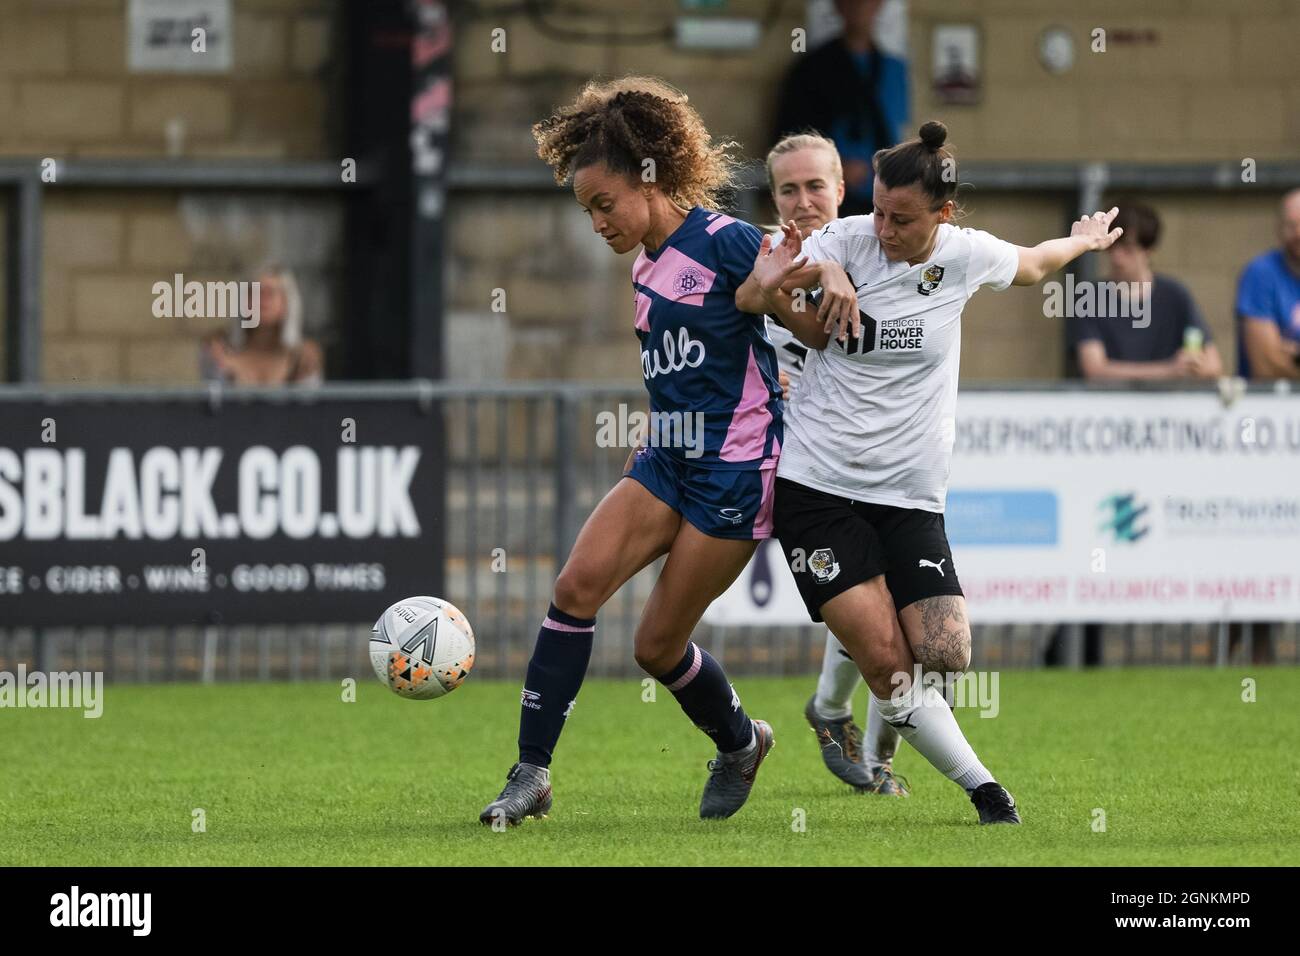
<point>711,372</point>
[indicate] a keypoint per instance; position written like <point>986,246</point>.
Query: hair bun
<point>933,135</point>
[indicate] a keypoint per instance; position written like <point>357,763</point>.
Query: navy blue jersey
<point>701,356</point>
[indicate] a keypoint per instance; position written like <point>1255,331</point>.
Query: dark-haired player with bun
<point>704,506</point>
<point>806,179</point>
<point>864,470</point>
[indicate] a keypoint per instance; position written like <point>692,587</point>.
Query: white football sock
<point>882,740</point>
<point>932,730</point>
<point>839,679</point>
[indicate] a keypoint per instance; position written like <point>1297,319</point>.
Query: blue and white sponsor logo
<point>1003,519</point>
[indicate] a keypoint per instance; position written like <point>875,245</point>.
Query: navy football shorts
<point>721,503</point>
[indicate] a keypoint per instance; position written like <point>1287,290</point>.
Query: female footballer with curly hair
<point>647,172</point>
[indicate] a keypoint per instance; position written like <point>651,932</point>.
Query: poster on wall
<point>954,63</point>
<point>179,36</point>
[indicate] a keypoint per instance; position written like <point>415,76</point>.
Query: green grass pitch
<point>290,774</point>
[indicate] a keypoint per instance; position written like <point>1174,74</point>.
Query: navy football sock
<point>700,686</point>
<point>555,674</point>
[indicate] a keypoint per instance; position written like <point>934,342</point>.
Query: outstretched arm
<point>1089,234</point>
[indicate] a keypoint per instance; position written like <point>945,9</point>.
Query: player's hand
<point>776,262</point>
<point>791,237</point>
<point>805,278</point>
<point>785,384</point>
<point>1096,229</point>
<point>839,308</point>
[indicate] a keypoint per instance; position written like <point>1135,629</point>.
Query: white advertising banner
<point>1104,506</point>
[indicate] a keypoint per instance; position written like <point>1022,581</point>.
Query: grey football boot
<point>731,776</point>
<point>527,794</point>
<point>841,745</point>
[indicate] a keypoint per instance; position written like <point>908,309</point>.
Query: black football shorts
<point>833,543</point>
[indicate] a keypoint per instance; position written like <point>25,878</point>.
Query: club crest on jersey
<point>823,565</point>
<point>930,280</point>
<point>688,281</point>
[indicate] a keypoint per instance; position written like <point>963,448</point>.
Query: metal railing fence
<point>523,469</point>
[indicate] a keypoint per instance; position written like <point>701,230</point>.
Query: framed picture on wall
<point>954,63</point>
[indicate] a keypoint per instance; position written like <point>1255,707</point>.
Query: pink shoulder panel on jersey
<point>675,276</point>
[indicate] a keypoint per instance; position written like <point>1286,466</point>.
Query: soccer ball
<point>422,648</point>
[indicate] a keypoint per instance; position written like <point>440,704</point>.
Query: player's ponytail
<point>926,160</point>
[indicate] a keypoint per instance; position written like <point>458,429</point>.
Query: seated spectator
<point>273,352</point>
<point>1268,304</point>
<point>1176,344</point>
<point>851,92</point>
<point>1268,348</point>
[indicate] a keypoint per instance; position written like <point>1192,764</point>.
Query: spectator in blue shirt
<point>851,92</point>
<point>1268,347</point>
<point>1268,304</point>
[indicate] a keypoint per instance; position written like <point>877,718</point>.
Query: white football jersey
<point>873,418</point>
<point>791,354</point>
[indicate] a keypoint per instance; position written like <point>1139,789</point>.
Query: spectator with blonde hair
<point>272,352</point>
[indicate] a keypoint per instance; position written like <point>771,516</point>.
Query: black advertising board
<point>181,508</point>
